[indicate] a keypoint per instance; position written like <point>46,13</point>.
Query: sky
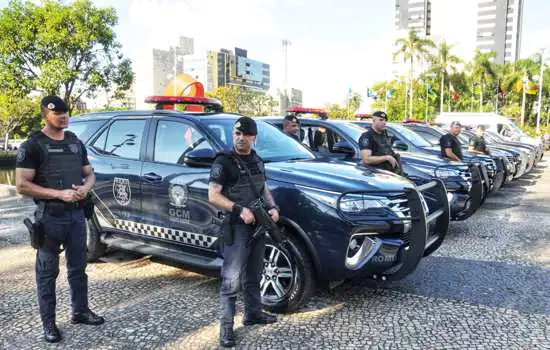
<point>335,44</point>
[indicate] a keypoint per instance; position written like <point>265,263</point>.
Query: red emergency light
<point>169,102</point>
<point>363,115</point>
<point>301,110</point>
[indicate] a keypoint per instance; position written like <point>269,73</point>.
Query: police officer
<point>450,146</point>
<point>376,145</point>
<point>477,143</point>
<point>52,167</point>
<point>230,190</point>
<point>291,126</point>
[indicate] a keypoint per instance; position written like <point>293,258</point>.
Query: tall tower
<point>499,25</point>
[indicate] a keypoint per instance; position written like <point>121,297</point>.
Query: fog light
<point>361,249</point>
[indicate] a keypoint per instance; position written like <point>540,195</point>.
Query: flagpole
<point>524,82</point>
<point>426,115</point>
<point>386,102</point>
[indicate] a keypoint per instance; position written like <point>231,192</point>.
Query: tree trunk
<point>523,106</point>
<point>442,97</point>
<point>6,140</point>
<point>449,100</point>
<point>411,97</point>
<point>481,96</point>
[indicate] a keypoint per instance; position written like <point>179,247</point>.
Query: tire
<point>94,247</point>
<point>298,283</point>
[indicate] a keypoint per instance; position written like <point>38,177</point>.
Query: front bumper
<point>461,206</point>
<point>390,256</point>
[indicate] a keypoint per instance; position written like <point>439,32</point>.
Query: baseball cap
<point>455,123</point>
<point>246,125</point>
<point>291,118</point>
<point>54,103</point>
<point>380,114</point>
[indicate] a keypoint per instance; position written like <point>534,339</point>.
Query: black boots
<point>51,333</point>
<point>227,337</point>
<point>261,318</point>
<point>87,317</point>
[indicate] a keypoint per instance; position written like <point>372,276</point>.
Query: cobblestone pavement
<point>487,287</point>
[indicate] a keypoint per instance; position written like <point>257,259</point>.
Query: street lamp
<point>540,88</point>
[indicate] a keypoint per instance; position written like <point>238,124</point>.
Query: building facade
<point>235,68</point>
<point>499,25</point>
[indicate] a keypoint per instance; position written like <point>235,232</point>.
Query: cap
<point>455,123</point>
<point>380,114</point>
<point>291,118</point>
<point>54,103</point>
<point>246,125</point>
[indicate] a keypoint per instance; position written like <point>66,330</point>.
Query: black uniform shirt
<point>450,141</point>
<point>29,155</point>
<point>479,144</point>
<point>380,144</point>
<point>225,171</point>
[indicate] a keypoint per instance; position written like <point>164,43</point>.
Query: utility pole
<point>541,85</point>
<point>286,44</point>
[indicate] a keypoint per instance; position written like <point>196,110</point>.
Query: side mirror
<point>400,145</point>
<point>343,147</point>
<point>200,158</point>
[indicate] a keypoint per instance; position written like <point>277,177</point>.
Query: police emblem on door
<point>178,196</point>
<point>121,191</point>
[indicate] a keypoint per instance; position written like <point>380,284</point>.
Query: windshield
<point>272,145</point>
<point>352,130</point>
<point>410,135</point>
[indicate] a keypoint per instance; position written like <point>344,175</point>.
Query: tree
<point>413,48</point>
<point>65,49</point>
<point>482,71</point>
<point>15,112</point>
<point>444,63</point>
<point>236,99</point>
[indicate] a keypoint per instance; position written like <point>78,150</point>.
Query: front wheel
<point>94,247</point>
<point>288,279</point>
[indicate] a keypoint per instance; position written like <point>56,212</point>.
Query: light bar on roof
<point>165,101</point>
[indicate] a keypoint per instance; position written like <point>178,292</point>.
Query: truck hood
<point>426,159</point>
<point>336,176</point>
<point>468,156</point>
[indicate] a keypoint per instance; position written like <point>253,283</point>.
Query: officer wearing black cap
<point>450,146</point>
<point>291,126</point>
<point>477,143</point>
<point>376,145</point>
<point>231,179</point>
<point>52,167</point>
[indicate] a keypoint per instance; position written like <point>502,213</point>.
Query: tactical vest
<point>382,147</point>
<point>240,192</point>
<point>61,161</point>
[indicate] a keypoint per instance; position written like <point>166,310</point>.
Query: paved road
<point>486,288</point>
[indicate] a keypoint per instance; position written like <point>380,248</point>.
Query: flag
<point>454,93</point>
<point>389,93</point>
<point>531,89</point>
<point>500,92</point>
<point>371,94</point>
<point>431,92</point>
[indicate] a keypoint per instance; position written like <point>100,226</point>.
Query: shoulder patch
<point>21,154</point>
<point>216,170</point>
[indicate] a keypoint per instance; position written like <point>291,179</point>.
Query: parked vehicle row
<point>343,219</point>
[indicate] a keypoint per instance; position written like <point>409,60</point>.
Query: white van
<point>493,122</point>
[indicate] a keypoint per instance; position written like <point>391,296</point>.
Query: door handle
<point>152,177</point>
<point>120,166</point>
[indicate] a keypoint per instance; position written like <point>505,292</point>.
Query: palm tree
<point>413,48</point>
<point>444,63</point>
<point>482,71</point>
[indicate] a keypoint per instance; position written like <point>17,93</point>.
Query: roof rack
<point>301,110</point>
<point>169,102</point>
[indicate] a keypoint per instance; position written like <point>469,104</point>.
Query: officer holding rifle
<point>238,187</point>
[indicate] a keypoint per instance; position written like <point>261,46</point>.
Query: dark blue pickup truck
<point>342,221</point>
<point>338,140</point>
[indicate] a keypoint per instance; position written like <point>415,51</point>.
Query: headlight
<point>444,173</point>
<point>356,203</point>
<point>350,203</point>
